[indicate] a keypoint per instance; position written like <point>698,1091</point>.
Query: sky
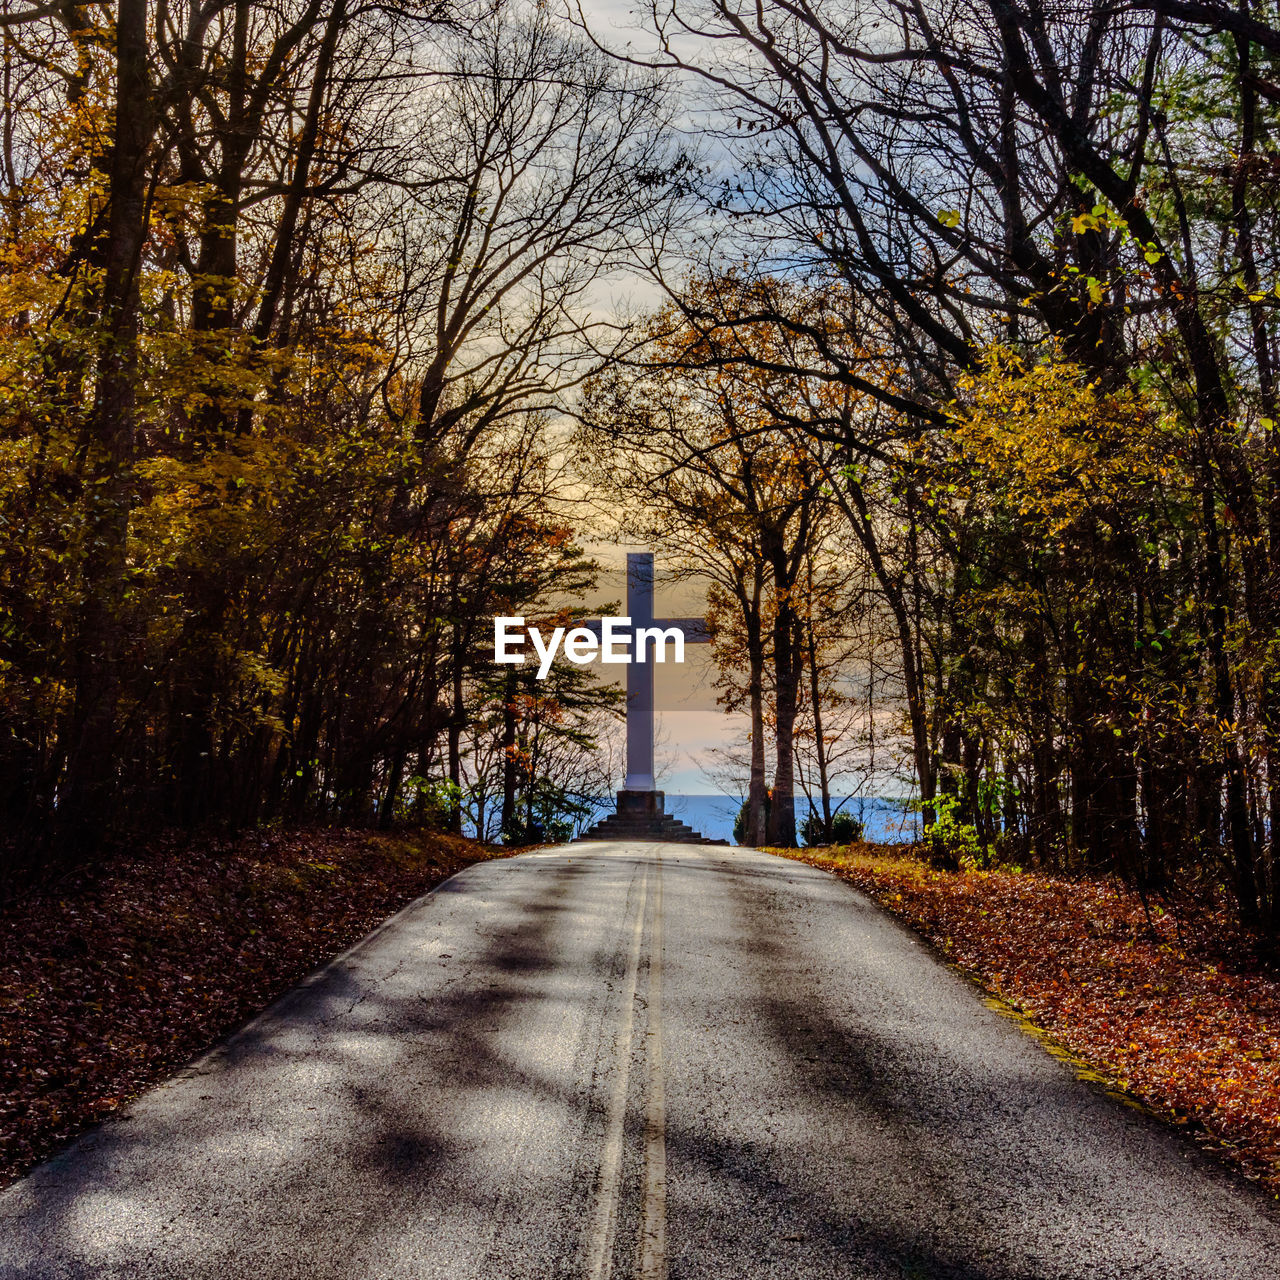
<point>690,724</point>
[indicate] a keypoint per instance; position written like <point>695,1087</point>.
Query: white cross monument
<point>640,812</point>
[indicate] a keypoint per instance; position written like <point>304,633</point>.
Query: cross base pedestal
<point>641,805</point>
<point>641,816</point>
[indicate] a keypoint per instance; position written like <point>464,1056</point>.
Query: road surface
<point>635,1062</point>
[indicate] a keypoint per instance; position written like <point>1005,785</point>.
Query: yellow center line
<point>605,1220</point>
<point>653,1223</point>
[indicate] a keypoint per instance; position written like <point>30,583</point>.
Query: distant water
<point>884,818</point>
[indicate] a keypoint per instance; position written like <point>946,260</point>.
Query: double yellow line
<point>651,1258</point>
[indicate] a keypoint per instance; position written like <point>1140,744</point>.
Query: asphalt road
<point>638,1062</point>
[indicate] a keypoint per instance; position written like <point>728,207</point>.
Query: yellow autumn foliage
<point>1052,446</point>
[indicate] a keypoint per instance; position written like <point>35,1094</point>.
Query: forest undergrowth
<point>114,977</point>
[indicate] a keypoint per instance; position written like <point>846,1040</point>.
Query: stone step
<point>666,828</point>
<point>620,824</point>
<point>641,816</point>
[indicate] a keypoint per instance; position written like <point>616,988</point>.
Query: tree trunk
<point>786,664</point>
<point>820,747</point>
<point>853,502</point>
<point>757,789</point>
<point>510,773</point>
<point>457,720</point>
<point>94,765</point>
